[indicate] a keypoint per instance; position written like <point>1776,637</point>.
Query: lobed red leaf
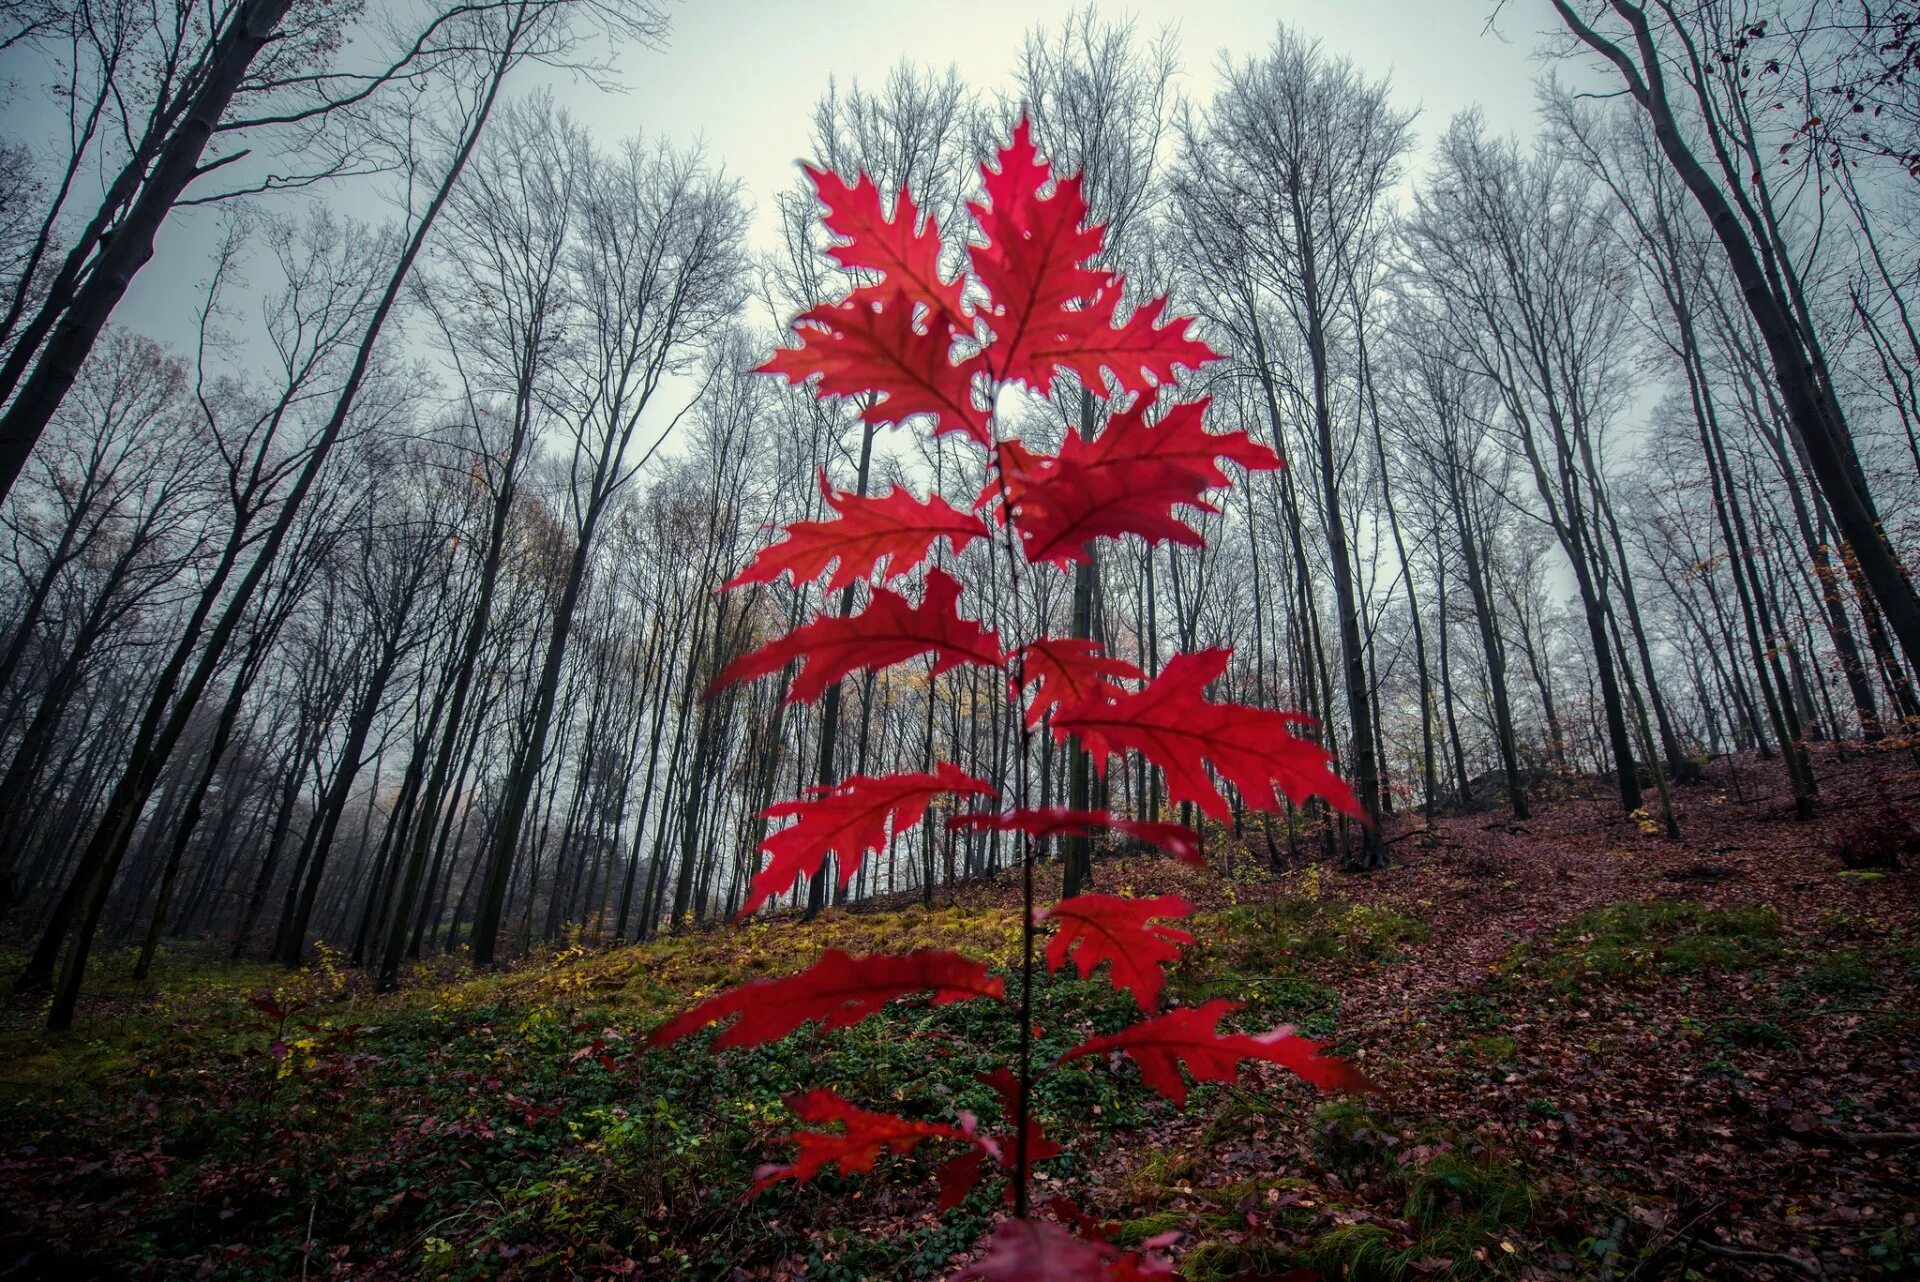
<point>1190,1034</point>
<point>905,250</point>
<point>1115,930</point>
<point>1127,480</point>
<point>871,346</point>
<point>888,631</point>
<point>896,528</point>
<point>1029,1250</point>
<point>1172,723</point>
<point>838,990</point>
<point>863,1137</point>
<point>849,820</point>
<point>1070,670</point>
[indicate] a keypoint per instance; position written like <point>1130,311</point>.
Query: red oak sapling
<point>914,345</point>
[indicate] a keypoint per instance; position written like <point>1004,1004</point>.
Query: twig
<point>1811,1269</point>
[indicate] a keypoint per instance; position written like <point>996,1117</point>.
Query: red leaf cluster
<point>1032,303</point>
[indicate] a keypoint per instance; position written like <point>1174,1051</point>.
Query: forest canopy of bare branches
<point>377,605</point>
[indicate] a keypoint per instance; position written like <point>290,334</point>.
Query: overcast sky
<point>742,76</point>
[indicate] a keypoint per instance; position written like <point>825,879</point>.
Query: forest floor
<point>1602,1055</point>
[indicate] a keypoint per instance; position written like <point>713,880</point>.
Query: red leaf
<point>901,248</point>
<point>1110,928</point>
<point>888,631</point>
<point>1305,1060</point>
<point>854,1149</point>
<point>1141,354</point>
<point>1042,1251</point>
<point>837,990</point>
<point>1127,480</point>
<point>869,345</point>
<point>1033,260</point>
<point>1159,1046</point>
<point>958,1175</point>
<point>1070,670</point>
<point>1176,839</point>
<point>848,820</point>
<point>1051,308</point>
<point>1173,725</point>
<point>1180,441</point>
<point>1007,1087</point>
<point>896,528</point>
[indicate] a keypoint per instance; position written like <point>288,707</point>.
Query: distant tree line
<point>377,604</point>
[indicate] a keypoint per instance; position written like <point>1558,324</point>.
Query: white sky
<point>742,77</point>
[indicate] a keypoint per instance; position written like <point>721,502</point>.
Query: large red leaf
<point>1190,1034</point>
<point>1140,354</point>
<point>848,820</point>
<point>1172,723</point>
<point>872,345</point>
<point>1041,1251</point>
<point>896,528</point>
<point>863,1138</point>
<point>1179,441</point>
<point>838,990</point>
<point>901,248</point>
<point>1092,929</point>
<point>1127,480</point>
<point>888,631</point>
<point>1176,839</point>
<point>1051,309</point>
<point>1070,670</point>
<point>1033,261</point>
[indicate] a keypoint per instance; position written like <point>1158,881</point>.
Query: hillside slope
<point>1603,1055</point>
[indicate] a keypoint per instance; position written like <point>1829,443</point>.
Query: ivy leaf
<point>903,249</point>
<point>1093,929</point>
<point>871,346</point>
<point>849,820</point>
<point>888,631</point>
<point>1190,1034</point>
<point>896,528</point>
<point>1173,724</point>
<point>1176,839</point>
<point>838,990</point>
<point>1070,670</point>
<point>863,1137</point>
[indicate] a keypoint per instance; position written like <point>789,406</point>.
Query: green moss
<point>1755,1033</point>
<point>1651,937</point>
<point>1348,1140</point>
<point>1495,1048</point>
<point>1132,1233</point>
<point>1847,972</point>
<point>1219,1260</point>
